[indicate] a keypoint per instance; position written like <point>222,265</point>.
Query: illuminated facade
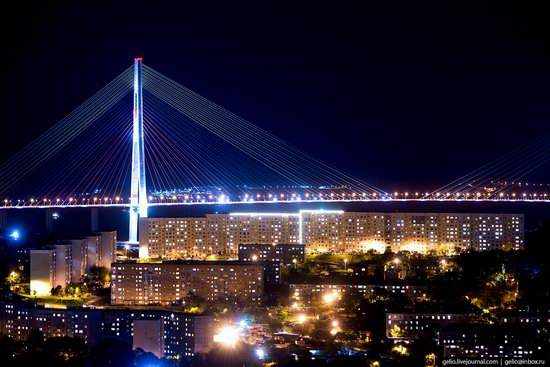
<point>412,325</point>
<point>17,320</point>
<point>43,271</point>
<point>490,341</point>
<point>183,334</point>
<point>214,234</point>
<point>106,252</point>
<point>170,282</point>
<point>308,292</point>
<point>61,264</point>
<point>284,254</point>
<point>329,231</point>
<point>148,334</point>
<point>272,257</point>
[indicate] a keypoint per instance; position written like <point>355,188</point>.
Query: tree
<point>67,349</point>
<point>13,280</point>
<point>97,278</point>
<point>113,353</point>
<point>148,359</point>
<point>396,332</point>
<point>8,349</point>
<point>58,291</point>
<point>194,300</point>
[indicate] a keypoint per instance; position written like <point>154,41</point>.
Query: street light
<point>294,261</point>
<point>227,336</point>
<point>260,353</point>
<point>335,328</point>
<point>328,298</point>
<point>15,235</point>
<point>345,264</point>
<point>443,264</point>
<point>126,247</point>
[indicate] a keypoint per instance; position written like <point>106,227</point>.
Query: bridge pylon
<point>138,189</point>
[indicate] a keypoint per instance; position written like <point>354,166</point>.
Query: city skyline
<point>274,184</point>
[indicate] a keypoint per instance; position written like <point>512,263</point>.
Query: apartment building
<point>61,264</point>
<point>332,231</point>
<point>168,282</point>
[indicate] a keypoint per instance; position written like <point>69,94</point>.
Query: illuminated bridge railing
<point>203,199</point>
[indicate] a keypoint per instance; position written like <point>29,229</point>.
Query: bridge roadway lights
<point>141,210</point>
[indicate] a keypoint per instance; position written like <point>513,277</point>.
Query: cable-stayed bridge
<point>145,140</point>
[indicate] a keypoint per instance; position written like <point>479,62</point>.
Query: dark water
<point>77,221</point>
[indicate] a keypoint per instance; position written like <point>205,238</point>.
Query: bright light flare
<point>227,336</point>
<point>260,353</point>
<point>328,298</point>
<point>15,235</point>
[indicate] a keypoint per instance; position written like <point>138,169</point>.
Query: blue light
<point>260,353</point>
<point>15,235</point>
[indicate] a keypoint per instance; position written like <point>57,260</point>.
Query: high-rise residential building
<point>285,254</point>
<point>50,268</point>
<point>272,257</point>
<point>412,325</point>
<point>169,282</point>
<point>79,250</point>
<point>316,291</point>
<point>213,234</point>
<point>61,264</point>
<point>93,243</point>
<point>491,341</point>
<point>329,231</point>
<point>18,319</point>
<point>106,251</point>
<point>182,334</point>
<point>43,271</point>
<point>148,334</point>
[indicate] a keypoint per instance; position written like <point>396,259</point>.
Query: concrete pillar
<point>94,220</point>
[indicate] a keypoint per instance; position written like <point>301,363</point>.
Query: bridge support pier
<point>94,220</point>
<point>3,221</point>
<point>49,220</point>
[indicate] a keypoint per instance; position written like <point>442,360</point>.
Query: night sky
<point>398,94</point>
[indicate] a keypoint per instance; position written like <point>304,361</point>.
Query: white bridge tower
<point>138,190</point>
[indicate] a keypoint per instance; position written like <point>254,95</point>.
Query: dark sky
<point>398,94</point>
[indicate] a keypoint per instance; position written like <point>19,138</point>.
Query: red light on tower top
<point>138,58</point>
